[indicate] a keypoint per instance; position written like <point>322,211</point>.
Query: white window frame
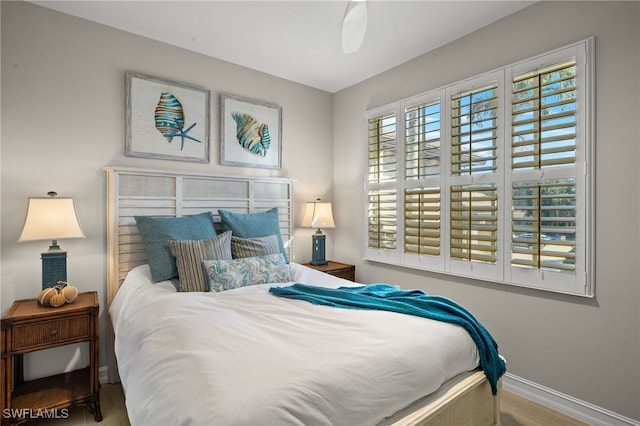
<point>582,282</point>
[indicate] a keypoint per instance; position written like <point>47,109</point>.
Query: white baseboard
<point>573,407</point>
<point>103,374</point>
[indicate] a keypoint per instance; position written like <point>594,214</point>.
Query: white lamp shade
<point>318,215</point>
<point>51,219</point>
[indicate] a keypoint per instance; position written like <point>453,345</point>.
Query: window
<point>490,178</point>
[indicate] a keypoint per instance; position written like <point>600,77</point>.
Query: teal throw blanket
<point>411,302</point>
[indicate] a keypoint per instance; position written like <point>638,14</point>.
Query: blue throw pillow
<point>252,225</point>
<point>157,231</point>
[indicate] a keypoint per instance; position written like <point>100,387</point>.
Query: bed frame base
<point>464,402</point>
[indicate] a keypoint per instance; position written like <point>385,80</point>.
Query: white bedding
<point>246,357</point>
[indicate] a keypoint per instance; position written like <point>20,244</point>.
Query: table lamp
<point>318,215</point>
<point>51,218</point>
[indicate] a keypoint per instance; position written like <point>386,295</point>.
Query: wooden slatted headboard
<point>144,192</point>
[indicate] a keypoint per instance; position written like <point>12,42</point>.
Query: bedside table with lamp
<point>29,326</point>
<point>319,215</point>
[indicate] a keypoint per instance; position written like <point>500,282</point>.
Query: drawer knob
<point>53,332</point>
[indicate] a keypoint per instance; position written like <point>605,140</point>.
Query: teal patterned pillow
<point>230,274</point>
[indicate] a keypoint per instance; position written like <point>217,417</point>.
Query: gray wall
<point>589,349</point>
<point>63,115</point>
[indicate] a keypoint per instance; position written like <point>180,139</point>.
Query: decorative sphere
<point>45,296</point>
<point>57,300</point>
<point>70,293</point>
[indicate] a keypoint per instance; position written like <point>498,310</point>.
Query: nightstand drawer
<point>337,269</point>
<point>347,274</point>
<point>28,336</point>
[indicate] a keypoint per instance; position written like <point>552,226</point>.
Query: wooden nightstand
<point>28,327</point>
<point>342,270</point>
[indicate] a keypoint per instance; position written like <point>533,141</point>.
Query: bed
<point>246,356</point>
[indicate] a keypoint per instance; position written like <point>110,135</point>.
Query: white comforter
<point>246,357</point>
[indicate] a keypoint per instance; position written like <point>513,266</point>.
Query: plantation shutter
<point>474,131</point>
<point>381,197</point>
<point>422,221</point>
<point>473,215</point>
<point>544,224</point>
<point>422,162</point>
<point>382,219</point>
<point>473,222</point>
<point>544,118</point>
<point>382,149</point>
<point>543,130</point>
<point>422,141</point>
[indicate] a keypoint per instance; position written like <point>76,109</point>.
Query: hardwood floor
<point>114,412</point>
<point>518,411</point>
<point>515,411</point>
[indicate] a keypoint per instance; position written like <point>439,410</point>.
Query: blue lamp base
<point>317,249</point>
<point>54,266</point>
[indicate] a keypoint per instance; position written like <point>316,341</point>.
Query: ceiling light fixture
<point>354,26</point>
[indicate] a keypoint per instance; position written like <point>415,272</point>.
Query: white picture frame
<point>235,148</point>
<point>166,119</point>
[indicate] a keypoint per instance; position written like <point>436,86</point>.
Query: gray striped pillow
<point>251,247</point>
<point>190,254</point>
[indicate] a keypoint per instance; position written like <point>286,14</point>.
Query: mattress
<point>247,357</point>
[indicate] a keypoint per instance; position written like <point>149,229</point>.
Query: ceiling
<point>297,40</point>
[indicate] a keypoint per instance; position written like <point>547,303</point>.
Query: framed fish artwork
<point>251,133</point>
<point>166,119</point>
